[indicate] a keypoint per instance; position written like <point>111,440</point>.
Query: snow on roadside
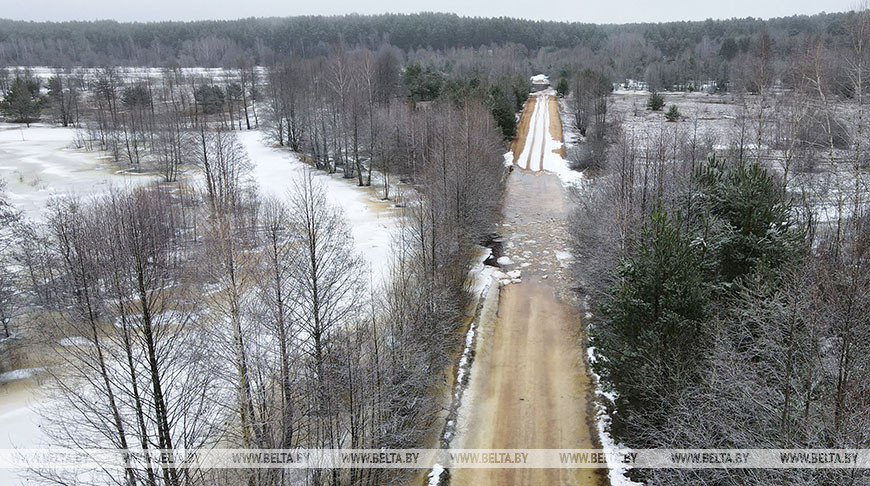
<point>553,160</point>
<point>479,283</point>
<point>505,260</point>
<point>435,475</point>
<point>616,470</point>
<point>276,169</point>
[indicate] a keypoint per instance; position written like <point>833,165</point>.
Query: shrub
<point>656,102</point>
<point>562,87</point>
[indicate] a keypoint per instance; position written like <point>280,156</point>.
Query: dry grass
<point>556,124</point>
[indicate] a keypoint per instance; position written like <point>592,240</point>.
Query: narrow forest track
<point>530,387</point>
<point>519,142</point>
<point>539,133</point>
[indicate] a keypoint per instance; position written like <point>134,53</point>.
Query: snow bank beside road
<point>616,471</point>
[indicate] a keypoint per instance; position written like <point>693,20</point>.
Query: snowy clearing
<point>373,223</point>
<point>38,163</point>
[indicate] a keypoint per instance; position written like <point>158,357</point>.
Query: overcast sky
<point>600,11</point>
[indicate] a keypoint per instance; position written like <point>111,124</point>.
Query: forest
<point>196,311</point>
<point>662,54</point>
<point>724,257</point>
<point>718,232</point>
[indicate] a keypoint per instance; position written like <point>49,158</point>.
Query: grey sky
<point>618,11</point>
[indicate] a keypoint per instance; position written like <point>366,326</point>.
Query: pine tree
<point>502,110</point>
<point>752,216</point>
<point>656,102</point>
<point>23,102</point>
<point>562,88</point>
<point>673,114</point>
<point>651,341</point>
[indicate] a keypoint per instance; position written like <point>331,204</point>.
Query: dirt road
<point>529,385</point>
<point>539,133</point>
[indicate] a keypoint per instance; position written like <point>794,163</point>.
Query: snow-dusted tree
<point>274,295</point>
<point>327,292</point>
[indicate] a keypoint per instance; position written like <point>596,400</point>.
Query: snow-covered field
<point>19,419</point>
<point>713,120</point>
<point>373,222</point>
<point>40,162</point>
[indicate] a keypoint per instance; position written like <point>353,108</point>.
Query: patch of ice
<point>275,171</point>
<point>37,164</point>
<point>505,260</point>
<point>15,375</point>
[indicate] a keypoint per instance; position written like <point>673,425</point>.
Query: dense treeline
<point>342,111</point>
<point>209,315</point>
<point>663,54</point>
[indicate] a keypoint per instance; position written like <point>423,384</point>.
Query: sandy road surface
<point>529,385</point>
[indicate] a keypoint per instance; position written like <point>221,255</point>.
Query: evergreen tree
<point>210,98</point>
<point>502,111</point>
<point>562,87</point>
<point>651,343</point>
<point>422,83</point>
<point>749,224</point>
<point>656,102</point>
<point>673,114</point>
<point>61,100</point>
<point>23,102</point>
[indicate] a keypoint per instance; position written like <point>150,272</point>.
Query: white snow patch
<point>435,475</point>
<point>542,151</point>
<point>15,375</point>
<point>505,260</point>
<point>540,79</point>
<point>75,341</point>
<point>565,258</point>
